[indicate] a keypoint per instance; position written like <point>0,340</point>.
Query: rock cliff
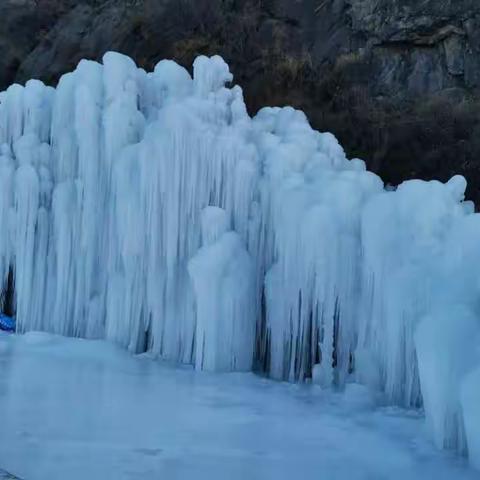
<point>396,80</point>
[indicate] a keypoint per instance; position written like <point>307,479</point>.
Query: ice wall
<point>151,210</point>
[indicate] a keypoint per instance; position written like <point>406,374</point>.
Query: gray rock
<point>455,54</point>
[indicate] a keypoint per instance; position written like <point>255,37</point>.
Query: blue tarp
<point>7,323</point>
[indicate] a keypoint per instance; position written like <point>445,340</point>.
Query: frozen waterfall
<point>150,209</point>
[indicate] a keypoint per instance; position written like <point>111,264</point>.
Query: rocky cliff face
<point>396,80</point>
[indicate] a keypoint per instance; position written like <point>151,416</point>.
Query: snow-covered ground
<point>77,409</point>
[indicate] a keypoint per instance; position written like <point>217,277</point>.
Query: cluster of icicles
<point>149,209</point>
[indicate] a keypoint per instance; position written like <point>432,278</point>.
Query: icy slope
<point>149,209</point>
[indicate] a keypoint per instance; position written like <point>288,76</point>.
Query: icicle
<point>6,217</point>
<point>26,211</point>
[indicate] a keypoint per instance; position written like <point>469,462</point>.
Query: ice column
<point>222,273</point>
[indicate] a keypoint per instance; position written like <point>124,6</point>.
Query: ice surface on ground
<point>81,410</point>
<point>6,476</point>
<point>149,209</point>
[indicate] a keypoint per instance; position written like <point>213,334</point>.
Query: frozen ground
<point>78,409</point>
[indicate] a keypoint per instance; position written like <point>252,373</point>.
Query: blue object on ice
<point>7,323</point>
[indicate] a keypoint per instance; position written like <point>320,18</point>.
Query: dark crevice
<point>7,297</point>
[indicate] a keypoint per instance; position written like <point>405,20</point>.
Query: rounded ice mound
<point>446,342</point>
<point>358,165</point>
<point>172,82</point>
<point>457,185</point>
<point>222,274</point>
<point>210,74</point>
<point>120,74</point>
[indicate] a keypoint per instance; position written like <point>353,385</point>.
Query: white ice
<point>150,210</point>
<point>82,409</point>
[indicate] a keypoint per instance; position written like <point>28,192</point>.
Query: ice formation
<point>150,209</point>
<point>222,274</point>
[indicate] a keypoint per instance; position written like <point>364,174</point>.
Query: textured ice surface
<point>6,476</point>
<point>82,410</point>
<point>150,210</point>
